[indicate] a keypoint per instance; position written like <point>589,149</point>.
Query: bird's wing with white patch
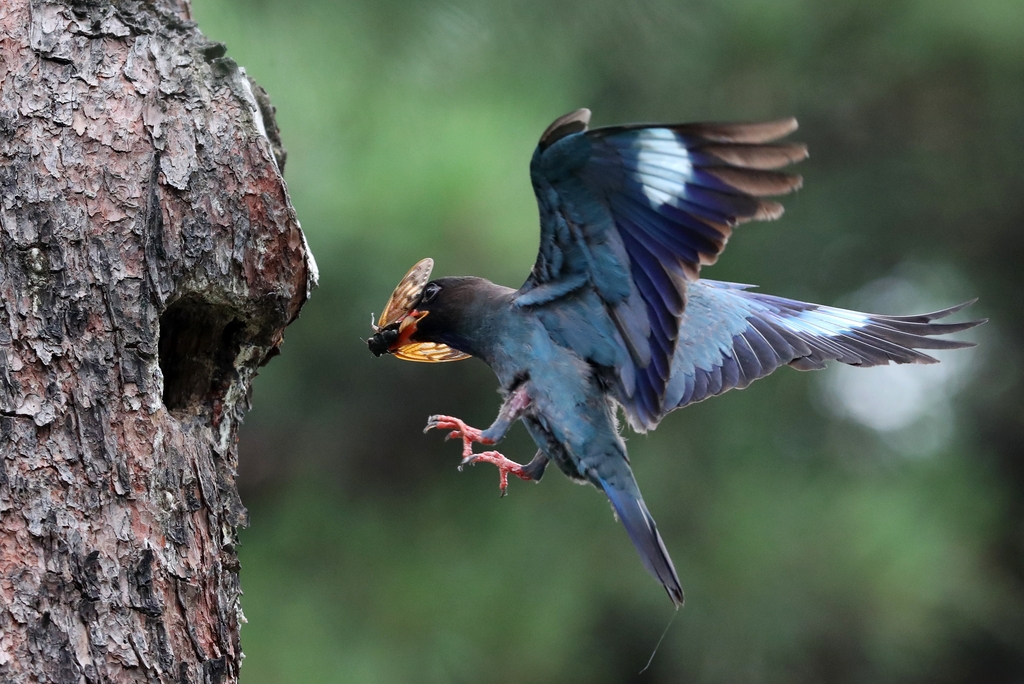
<point>631,213</point>
<point>731,336</point>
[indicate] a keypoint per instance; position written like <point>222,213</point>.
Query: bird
<point>615,318</point>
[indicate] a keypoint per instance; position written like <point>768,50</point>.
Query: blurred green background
<point>844,526</point>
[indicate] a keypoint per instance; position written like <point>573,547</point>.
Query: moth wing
<point>407,292</point>
<point>429,352</point>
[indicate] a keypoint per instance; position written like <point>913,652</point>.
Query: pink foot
<point>504,466</point>
<point>459,430</point>
<point>469,435</point>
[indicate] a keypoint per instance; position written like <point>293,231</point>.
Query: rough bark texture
<point>149,262</point>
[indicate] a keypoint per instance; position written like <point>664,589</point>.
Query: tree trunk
<point>149,262</point>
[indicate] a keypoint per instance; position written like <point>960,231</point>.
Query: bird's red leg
<point>511,411</point>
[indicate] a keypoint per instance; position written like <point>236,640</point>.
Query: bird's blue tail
<point>644,533</point>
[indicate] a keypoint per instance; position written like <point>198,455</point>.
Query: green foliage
<point>812,548</point>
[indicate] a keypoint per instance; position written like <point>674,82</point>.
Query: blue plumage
<point>743,335</point>
<point>615,315</point>
<point>670,196</point>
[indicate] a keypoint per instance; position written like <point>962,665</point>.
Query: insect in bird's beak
<point>394,319</point>
<point>393,332</point>
<point>381,341</point>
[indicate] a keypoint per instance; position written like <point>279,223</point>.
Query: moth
<point>399,314</point>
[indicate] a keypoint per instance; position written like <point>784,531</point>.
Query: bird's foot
<point>469,435</point>
<point>504,466</point>
<point>459,430</point>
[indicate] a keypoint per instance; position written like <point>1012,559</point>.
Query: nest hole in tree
<point>199,342</point>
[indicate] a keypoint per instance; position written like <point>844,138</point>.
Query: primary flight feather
<point>615,314</point>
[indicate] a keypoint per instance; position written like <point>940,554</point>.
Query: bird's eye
<point>429,292</point>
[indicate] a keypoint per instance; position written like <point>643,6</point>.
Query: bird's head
<point>417,316</point>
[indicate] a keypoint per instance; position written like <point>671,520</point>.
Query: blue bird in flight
<point>615,316</point>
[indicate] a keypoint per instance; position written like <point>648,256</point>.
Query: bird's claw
<point>504,466</point>
<point>459,430</point>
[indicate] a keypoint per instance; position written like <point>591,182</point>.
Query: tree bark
<point>149,262</point>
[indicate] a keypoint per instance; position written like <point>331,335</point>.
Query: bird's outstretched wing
<point>628,216</point>
<point>731,336</point>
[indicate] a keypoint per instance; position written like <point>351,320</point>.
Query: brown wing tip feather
<point>748,133</point>
<point>567,124</point>
<point>768,211</point>
<point>757,157</point>
<point>756,183</point>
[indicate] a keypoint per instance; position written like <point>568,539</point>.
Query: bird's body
<point>570,416</point>
<point>615,316</point>
<point>567,410</point>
